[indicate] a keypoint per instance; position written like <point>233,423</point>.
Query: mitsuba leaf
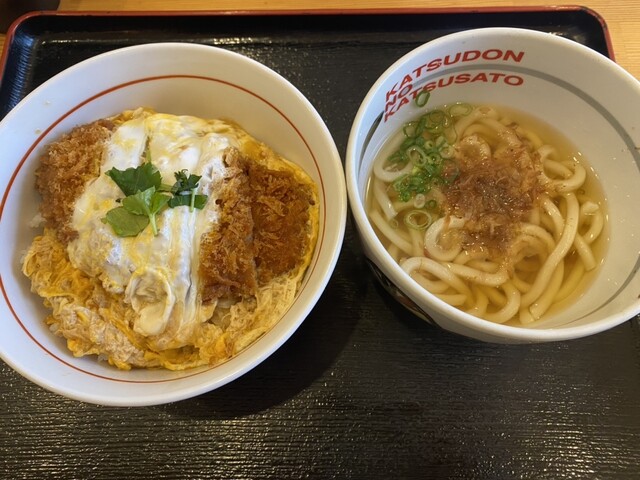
<point>164,187</point>
<point>199,201</point>
<point>144,198</point>
<point>148,202</point>
<point>138,179</point>
<point>125,223</point>
<point>184,183</point>
<point>159,202</point>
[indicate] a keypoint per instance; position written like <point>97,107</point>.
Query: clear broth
<point>592,188</point>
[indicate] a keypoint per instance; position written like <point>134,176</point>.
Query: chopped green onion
<point>416,154</point>
<point>418,219</point>
<point>419,200</point>
<point>422,98</point>
<point>426,153</point>
<point>397,157</point>
<point>460,109</point>
<point>447,151</point>
<point>451,135</point>
<point>407,142</point>
<point>435,121</point>
<point>441,141</point>
<point>409,129</point>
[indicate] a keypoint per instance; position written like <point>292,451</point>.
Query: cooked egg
<point>156,273</point>
<point>203,287</point>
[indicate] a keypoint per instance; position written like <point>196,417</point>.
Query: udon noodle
<point>496,217</point>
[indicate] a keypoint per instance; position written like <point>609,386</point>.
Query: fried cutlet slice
<point>265,228</point>
<point>65,168</point>
<point>227,266</point>
<point>281,210</point>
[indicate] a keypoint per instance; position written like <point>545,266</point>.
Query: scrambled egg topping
<point>203,288</point>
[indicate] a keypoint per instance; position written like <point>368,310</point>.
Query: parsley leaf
<point>184,191</point>
<point>144,198</point>
<point>125,223</point>
<point>138,179</point>
<point>199,201</point>
<point>185,183</point>
<point>147,203</point>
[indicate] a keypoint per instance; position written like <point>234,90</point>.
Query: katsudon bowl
<point>177,79</point>
<point>415,123</point>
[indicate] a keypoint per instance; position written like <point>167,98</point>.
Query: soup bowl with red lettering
<point>493,179</point>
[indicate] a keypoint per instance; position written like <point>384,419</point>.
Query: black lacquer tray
<point>363,389</point>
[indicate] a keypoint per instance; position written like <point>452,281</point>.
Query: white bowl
<point>172,78</point>
<point>575,90</point>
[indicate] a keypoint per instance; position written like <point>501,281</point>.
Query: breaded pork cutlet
<point>264,229</point>
<point>281,209</point>
<point>227,254</point>
<point>140,301</point>
<point>65,168</point>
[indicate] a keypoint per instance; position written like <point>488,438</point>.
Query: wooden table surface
<point>363,389</point>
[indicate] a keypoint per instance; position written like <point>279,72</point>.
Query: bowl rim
<point>268,343</point>
<point>400,278</point>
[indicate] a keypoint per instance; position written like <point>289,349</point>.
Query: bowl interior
<point>176,79</point>
<point>542,76</point>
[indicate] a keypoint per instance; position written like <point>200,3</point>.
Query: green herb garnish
<point>138,179</point>
<point>147,203</point>
<point>125,223</point>
<point>428,147</point>
<point>145,197</point>
<point>184,191</point>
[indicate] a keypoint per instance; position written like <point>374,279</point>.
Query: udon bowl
<point>576,91</point>
<point>173,78</point>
